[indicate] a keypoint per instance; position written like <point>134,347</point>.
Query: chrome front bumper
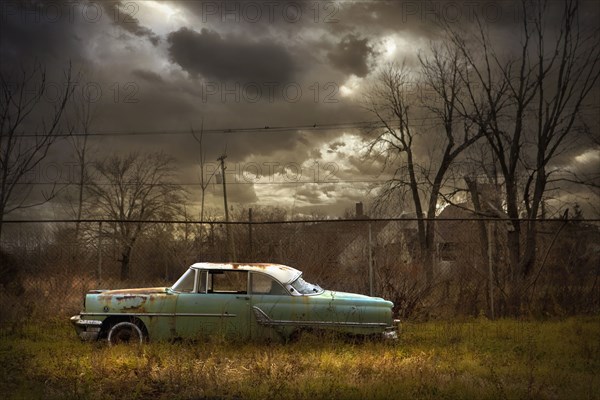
<point>392,332</point>
<point>87,329</point>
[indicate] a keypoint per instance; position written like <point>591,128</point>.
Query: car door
<point>220,306</point>
<point>273,307</point>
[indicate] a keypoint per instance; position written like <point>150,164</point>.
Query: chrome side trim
<point>263,319</point>
<point>103,314</point>
<point>76,320</point>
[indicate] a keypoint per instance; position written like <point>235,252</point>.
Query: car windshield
<point>186,282</point>
<point>304,287</point>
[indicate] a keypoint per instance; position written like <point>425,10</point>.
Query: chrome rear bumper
<point>87,329</point>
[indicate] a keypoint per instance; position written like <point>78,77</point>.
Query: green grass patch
<point>449,360</point>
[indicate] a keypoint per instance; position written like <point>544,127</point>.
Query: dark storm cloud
<point>414,19</point>
<point>140,91</point>
<point>261,15</point>
<point>351,55</point>
<point>382,17</point>
<point>34,29</point>
<point>335,145</point>
<point>123,16</point>
<point>209,54</point>
<point>149,76</point>
<point>309,194</point>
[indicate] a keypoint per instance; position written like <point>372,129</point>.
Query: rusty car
<point>235,300</point>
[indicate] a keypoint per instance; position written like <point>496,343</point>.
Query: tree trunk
<point>430,235</point>
<point>125,262</point>
<point>427,261</point>
<point>514,231</point>
<point>529,253</point>
<point>1,223</point>
<point>431,211</point>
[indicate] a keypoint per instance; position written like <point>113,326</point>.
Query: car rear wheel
<point>126,332</point>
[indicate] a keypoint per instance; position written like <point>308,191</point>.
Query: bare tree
<point>391,101</point>
<point>134,189</point>
<point>204,180</point>
<point>26,135</point>
<point>84,113</point>
<point>533,102</point>
<point>441,76</point>
<point>480,173</point>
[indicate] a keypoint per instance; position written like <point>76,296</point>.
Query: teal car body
<point>239,301</point>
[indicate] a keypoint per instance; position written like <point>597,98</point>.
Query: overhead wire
<point>256,129</point>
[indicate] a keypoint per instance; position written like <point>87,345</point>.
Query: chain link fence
<point>48,266</point>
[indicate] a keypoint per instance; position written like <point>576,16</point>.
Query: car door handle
<point>243,297</point>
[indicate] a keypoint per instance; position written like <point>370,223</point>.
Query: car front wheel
<point>125,332</point>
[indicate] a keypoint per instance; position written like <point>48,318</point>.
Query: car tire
<point>126,332</point>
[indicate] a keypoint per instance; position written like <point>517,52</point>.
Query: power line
<point>290,222</point>
<point>337,181</point>
<point>264,129</point>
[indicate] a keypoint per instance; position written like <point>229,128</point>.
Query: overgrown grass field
<point>453,360</point>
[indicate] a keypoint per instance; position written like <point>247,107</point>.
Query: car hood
<point>345,296</point>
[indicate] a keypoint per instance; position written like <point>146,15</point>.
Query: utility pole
<point>230,244</point>
<point>491,239</point>
<point>250,233</point>
<point>99,270</point>
<point>370,261</point>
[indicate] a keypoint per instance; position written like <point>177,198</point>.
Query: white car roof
<point>282,273</point>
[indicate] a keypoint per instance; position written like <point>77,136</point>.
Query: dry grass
<point>474,359</point>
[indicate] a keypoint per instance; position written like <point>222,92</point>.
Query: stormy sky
<point>278,86</point>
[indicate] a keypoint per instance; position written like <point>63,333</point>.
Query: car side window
<point>228,282</point>
<point>263,284</point>
<point>202,282</point>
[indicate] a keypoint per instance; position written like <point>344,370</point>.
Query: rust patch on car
<point>126,303</point>
<point>122,298</point>
<point>135,309</point>
<point>257,265</point>
<point>266,265</point>
<point>153,290</point>
<point>261,265</point>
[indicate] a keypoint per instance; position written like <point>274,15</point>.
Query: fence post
<point>370,262</point>
<point>99,271</point>
<point>250,234</point>
<point>491,265</point>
